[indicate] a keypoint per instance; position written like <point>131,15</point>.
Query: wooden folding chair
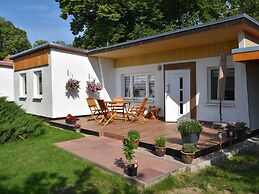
<point>107,115</point>
<point>138,111</point>
<point>95,110</point>
<point>119,106</point>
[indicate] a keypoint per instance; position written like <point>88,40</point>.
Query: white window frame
<point>209,86</point>
<point>36,84</point>
<point>23,85</point>
<point>131,86</point>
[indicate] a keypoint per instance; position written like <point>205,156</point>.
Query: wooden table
<point>122,104</point>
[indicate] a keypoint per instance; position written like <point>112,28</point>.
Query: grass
<point>238,175</point>
<point>35,165</point>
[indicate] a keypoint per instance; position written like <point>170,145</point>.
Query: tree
<point>39,42</point>
<point>99,23</point>
<point>12,39</point>
<point>61,42</point>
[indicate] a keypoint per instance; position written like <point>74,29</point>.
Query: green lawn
<point>37,166</point>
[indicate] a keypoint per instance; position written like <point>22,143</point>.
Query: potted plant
<point>236,128</point>
<point>134,135</point>
<point>129,153</point>
<point>190,130</point>
<point>72,85</point>
<point>70,119</point>
<point>160,146</point>
<point>77,128</point>
<point>240,128</point>
<point>188,152</point>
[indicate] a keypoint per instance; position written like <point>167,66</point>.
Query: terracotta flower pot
<point>132,170</point>
<point>187,157</point>
<point>160,151</point>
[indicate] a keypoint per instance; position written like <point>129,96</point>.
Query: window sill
<point>137,100</point>
<point>37,98</point>
<point>22,97</point>
<point>223,104</point>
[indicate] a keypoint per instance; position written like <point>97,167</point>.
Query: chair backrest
<point>118,99</point>
<point>91,102</point>
<point>104,109</point>
<point>143,103</point>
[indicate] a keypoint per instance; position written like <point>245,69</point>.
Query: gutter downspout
<point>101,71</point>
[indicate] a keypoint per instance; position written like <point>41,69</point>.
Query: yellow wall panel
<point>210,50</point>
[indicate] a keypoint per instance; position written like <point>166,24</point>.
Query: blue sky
<point>39,18</point>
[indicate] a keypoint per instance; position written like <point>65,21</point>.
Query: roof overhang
<point>6,64</point>
<point>246,54</point>
<point>209,33</point>
<point>48,46</point>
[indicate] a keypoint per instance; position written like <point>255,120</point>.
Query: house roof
<point>246,54</point>
<point>6,64</point>
<point>240,22</point>
<point>47,46</point>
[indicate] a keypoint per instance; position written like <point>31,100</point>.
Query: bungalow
<point>6,80</point>
<point>176,70</point>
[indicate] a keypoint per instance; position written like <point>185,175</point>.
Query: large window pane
<point>127,86</point>
<point>151,79</point>
<point>139,86</point>
<point>230,84</point>
<point>214,83</point>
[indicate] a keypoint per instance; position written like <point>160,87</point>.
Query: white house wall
<point>7,83</point>
<point>205,111</point>
<point>41,107</point>
<point>65,65</point>
<point>210,112</point>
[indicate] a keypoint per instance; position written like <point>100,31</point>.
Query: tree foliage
<point>39,42</point>
<point>12,39</point>
<point>99,23</point>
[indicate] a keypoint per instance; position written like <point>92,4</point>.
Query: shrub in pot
<point>70,119</point>
<point>190,130</point>
<point>188,152</point>
<point>129,153</point>
<point>160,146</point>
<point>236,128</point>
<point>134,135</point>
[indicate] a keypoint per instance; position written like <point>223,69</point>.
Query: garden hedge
<point>15,123</point>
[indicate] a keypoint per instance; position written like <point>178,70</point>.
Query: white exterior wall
<point>7,83</point>
<point>63,66</point>
<point>209,112</point>
<point>205,111</point>
<point>39,107</point>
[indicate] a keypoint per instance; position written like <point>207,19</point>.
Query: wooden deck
<point>148,132</point>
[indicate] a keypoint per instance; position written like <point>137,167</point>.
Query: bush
<point>236,126</point>
<point>160,141</point>
<point>133,134</point>
<point>189,148</point>
<point>15,123</point>
<point>188,126</point>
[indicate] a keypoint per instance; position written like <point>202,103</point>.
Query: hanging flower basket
<point>93,86</point>
<point>72,84</point>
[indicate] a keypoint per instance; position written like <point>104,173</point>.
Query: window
<point>37,83</point>
<point>230,84</point>
<point>151,83</point>
<point>139,86</point>
<point>127,86</point>
<point>23,85</point>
